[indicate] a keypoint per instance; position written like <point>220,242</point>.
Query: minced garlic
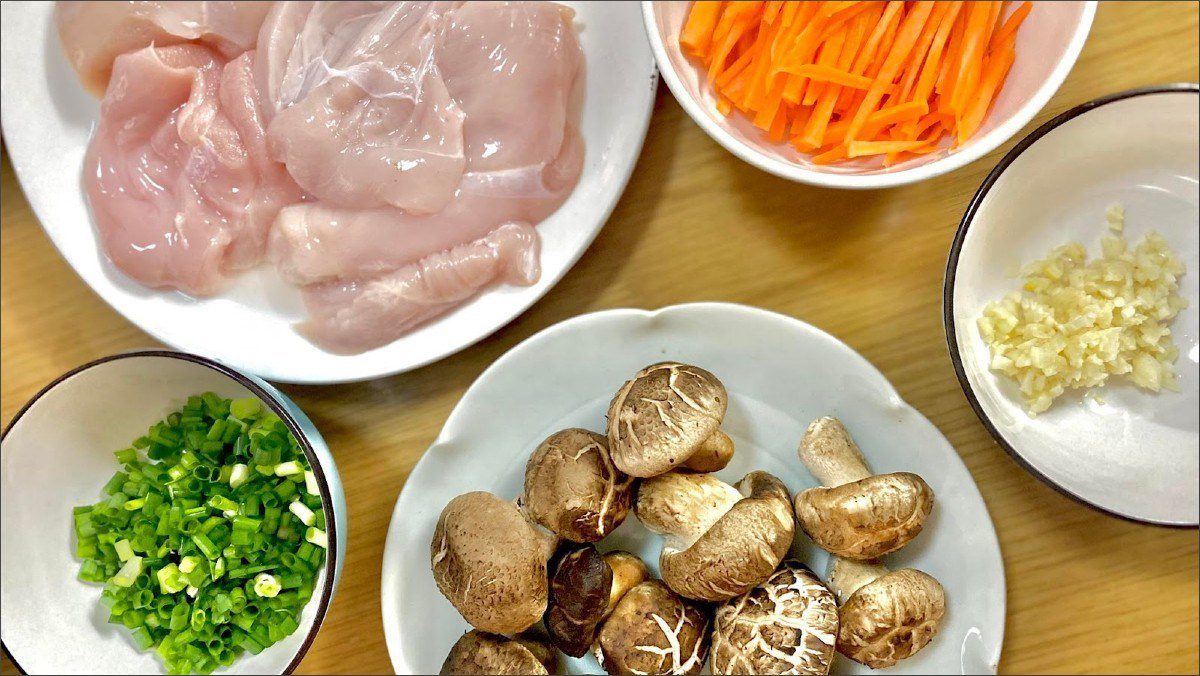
<point>1080,321</point>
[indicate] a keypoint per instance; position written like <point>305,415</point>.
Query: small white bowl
<point>57,453</point>
<point>1123,450</point>
<point>1048,43</point>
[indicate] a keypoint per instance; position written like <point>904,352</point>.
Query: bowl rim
<point>942,165</point>
<point>273,402</point>
<point>952,271</point>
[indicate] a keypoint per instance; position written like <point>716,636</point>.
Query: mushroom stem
<point>847,576</point>
<point>831,455</point>
<point>628,571</point>
<point>713,454</point>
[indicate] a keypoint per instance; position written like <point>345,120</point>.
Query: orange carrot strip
<point>994,72</point>
<point>820,73</point>
<point>814,131</point>
<point>802,49</point>
<point>861,148</point>
<point>933,62</point>
<point>906,38</point>
<point>886,16</point>
<point>834,154</point>
<point>771,10</point>
<point>1012,23</point>
<point>697,33</point>
<point>831,51</point>
<point>921,50</point>
<point>945,81</point>
<point>902,112</point>
<point>974,44</point>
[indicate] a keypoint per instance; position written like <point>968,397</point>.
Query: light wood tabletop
<point>1086,592</point>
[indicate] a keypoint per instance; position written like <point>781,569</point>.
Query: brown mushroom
<point>490,562</point>
<point>477,652</point>
<point>856,515</point>
<point>586,586</point>
<point>665,415</point>
<point>653,631</point>
<point>573,488</point>
<point>885,616</point>
<point>720,540</point>
<point>786,625</point>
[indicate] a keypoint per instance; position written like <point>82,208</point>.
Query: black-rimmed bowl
<point>1123,450</point>
<point>58,453</point>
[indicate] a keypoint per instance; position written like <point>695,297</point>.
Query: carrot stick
<point>974,43</point>
<point>1012,23</point>
<point>906,37</point>
<point>861,148</point>
<point>945,80</point>
<point>831,51</point>
<point>994,72</point>
<point>921,50</point>
<point>698,29</point>
<point>933,62</point>
<point>820,73</point>
<point>864,59</point>
<point>834,154</point>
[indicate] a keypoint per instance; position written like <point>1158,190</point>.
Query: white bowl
<point>1048,43</point>
<point>58,453</point>
<point>781,374</point>
<point>1126,451</point>
<point>48,119</point>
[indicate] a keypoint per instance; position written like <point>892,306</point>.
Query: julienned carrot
<point>818,72</point>
<point>844,80</point>
<point>701,22</point>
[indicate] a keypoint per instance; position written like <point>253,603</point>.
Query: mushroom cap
<point>573,488</point>
<point>868,518</point>
<point>477,652</point>
<point>786,625</point>
<point>579,599</point>
<point>891,618</point>
<point>585,588</point>
<point>721,541</point>
<point>657,420</point>
<point>490,562</point>
<point>653,631</point>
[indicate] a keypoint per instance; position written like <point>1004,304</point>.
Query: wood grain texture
<point>1086,593</point>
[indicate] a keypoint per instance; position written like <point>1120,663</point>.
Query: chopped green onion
<point>244,408</point>
<point>317,537</point>
<point>184,536</point>
<point>266,585</point>
<point>128,573</point>
<point>124,551</point>
<point>288,468</point>
<point>303,513</point>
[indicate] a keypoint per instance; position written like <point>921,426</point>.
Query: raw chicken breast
<point>177,175</point>
<point>512,68</point>
<point>362,116</point>
<point>353,317</point>
<point>315,242</point>
<point>93,34</point>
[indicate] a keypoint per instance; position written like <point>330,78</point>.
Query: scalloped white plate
<point>48,120</point>
<point>781,373</point>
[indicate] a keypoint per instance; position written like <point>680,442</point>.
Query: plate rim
<point>393,548</point>
<point>113,297</point>
<point>952,271</point>
<point>276,405</point>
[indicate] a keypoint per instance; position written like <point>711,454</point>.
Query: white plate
<point>1126,451</point>
<point>47,122</point>
<point>781,373</point>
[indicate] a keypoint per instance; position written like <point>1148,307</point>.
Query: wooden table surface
<point>1086,592</point>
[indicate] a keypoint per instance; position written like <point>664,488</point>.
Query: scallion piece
<point>266,585</point>
<point>317,537</point>
<point>128,572</point>
<point>303,513</point>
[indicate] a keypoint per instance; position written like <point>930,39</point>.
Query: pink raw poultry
<point>94,34</point>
